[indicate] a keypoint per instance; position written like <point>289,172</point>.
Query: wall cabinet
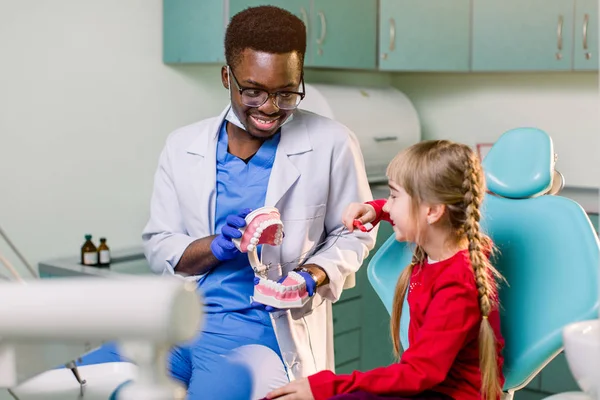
<point>429,35</point>
<point>344,34</point>
<point>407,35</point>
<point>535,35</point>
<point>193,31</point>
<point>335,39</point>
<point>340,33</point>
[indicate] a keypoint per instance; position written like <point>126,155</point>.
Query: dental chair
<point>548,251</point>
<point>48,323</point>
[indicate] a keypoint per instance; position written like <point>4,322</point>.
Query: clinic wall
<point>85,107</point>
<point>478,108</point>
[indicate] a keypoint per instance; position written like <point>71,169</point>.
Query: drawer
<point>347,347</point>
<point>346,316</point>
<point>348,368</point>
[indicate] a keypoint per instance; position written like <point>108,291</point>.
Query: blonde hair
<point>443,172</point>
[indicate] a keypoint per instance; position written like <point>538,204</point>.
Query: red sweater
<point>443,355</point>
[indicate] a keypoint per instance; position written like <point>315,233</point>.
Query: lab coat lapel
<point>294,141</point>
<point>204,171</point>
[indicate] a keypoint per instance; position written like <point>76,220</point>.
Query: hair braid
<point>484,274</point>
<point>400,294</point>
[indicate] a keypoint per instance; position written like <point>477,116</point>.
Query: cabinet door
<point>300,8</point>
<point>516,35</point>
<point>428,35</point>
<point>344,33</point>
<point>586,35</point>
<point>193,31</point>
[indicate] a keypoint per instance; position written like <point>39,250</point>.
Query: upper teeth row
<point>264,225</point>
<point>279,287</point>
<point>263,121</point>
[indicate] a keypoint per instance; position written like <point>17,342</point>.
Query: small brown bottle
<point>103,253</point>
<point>89,253</point>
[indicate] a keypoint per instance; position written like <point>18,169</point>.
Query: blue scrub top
<point>227,288</point>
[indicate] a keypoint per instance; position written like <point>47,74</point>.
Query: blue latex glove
<point>222,247</point>
<point>311,287</point>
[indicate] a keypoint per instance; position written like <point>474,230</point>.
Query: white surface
<point>83,312</point>
<point>582,350</point>
<point>161,309</point>
<point>60,384</point>
<point>374,115</point>
<point>21,361</point>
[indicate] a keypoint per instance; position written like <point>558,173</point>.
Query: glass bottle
<point>103,253</point>
<point>89,253</point>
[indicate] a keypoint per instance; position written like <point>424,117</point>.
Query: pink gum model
<point>291,293</point>
<point>263,226</point>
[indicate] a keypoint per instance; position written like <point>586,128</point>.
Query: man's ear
<point>435,213</point>
<point>225,76</point>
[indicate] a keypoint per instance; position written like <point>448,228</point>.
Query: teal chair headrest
<point>513,170</point>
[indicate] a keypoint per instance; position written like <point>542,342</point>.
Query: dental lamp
<point>48,323</point>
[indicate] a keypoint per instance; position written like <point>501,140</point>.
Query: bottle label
<point>104,256</point>
<point>90,258</point>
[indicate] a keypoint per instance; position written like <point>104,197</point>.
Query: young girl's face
<point>398,206</point>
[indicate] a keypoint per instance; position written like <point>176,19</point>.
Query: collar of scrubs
<point>264,157</point>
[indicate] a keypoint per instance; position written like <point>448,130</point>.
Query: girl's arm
<point>381,215</point>
<point>451,315</point>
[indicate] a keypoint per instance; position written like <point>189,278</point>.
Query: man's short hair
<point>267,29</point>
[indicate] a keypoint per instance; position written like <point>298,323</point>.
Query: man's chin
<point>260,134</point>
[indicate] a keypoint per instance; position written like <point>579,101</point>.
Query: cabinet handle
<point>323,28</point>
<point>559,35</point>
<point>586,20</point>
<point>385,138</point>
<point>392,34</point>
<point>304,16</point>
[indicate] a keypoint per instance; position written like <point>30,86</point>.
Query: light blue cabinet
<point>406,35</point>
<point>516,35</point>
<point>344,34</point>
<point>585,40</point>
<point>193,31</point>
<point>428,35</point>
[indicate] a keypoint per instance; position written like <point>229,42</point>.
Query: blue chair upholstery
<point>548,251</point>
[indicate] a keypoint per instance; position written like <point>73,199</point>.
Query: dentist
<point>261,151</point>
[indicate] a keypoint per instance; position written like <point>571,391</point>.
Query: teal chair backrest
<point>547,248</point>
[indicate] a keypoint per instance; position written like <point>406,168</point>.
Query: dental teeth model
<point>264,226</point>
<point>291,293</point>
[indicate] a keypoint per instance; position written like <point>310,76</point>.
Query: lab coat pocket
<point>304,228</point>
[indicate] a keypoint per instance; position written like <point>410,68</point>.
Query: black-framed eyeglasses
<point>285,99</point>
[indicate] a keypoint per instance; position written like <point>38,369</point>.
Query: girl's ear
<point>435,212</point>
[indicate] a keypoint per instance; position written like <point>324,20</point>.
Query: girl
<point>437,188</point>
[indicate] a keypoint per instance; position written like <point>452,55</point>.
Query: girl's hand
<point>359,211</point>
<point>296,390</point>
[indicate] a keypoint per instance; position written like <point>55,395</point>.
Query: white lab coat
<point>318,171</point>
